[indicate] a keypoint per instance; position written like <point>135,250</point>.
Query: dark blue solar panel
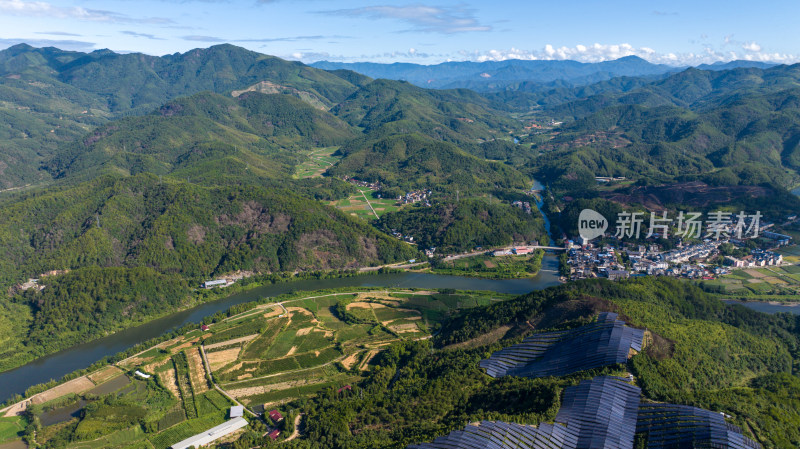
<point>671,426</point>
<point>605,342</point>
<point>597,413</point>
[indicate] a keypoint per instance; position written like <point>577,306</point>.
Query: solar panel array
<point>597,413</point>
<point>604,411</point>
<point>677,426</point>
<point>607,341</point>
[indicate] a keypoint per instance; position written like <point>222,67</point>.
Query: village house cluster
<point>524,205</point>
<point>416,196</point>
<point>691,261</point>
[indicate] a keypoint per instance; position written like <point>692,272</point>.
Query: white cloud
<point>605,52</point>
<point>44,9</point>
<point>752,46</point>
<point>422,18</point>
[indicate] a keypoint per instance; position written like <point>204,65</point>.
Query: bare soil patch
<point>274,311</point>
<point>197,371</point>
<point>260,389</point>
<point>359,305</point>
<point>78,385</point>
<point>482,340</point>
<point>169,380</point>
<point>105,374</point>
<point>291,351</point>
<point>350,360</point>
<point>217,360</point>
<point>370,355</point>
<point>755,273</point>
<point>304,331</point>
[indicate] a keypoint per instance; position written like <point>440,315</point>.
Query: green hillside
<point>256,129</point>
<point>461,227</point>
<point>183,229</point>
<point>49,98</point>
<point>385,107</point>
<point>415,161</point>
<point>698,351</point>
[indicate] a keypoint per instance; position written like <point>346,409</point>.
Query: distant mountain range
<point>491,76</point>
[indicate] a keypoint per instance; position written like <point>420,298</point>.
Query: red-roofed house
<point>346,387</point>
<point>204,328</point>
<point>275,415</point>
<point>274,434</point>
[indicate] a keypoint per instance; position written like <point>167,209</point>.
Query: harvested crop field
<point>359,305</point>
<point>403,328</point>
<point>261,389</point>
<point>105,374</point>
<point>217,360</point>
<point>197,371</point>
<point>246,338</point>
<point>169,380</point>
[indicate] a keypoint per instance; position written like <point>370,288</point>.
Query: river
<point>78,357</point>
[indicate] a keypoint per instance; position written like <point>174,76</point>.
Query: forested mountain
<point>414,161</point>
<point>395,107</point>
<point>463,226</point>
<point>259,130</point>
<point>502,75</point>
<point>183,229</point>
<point>738,127</point>
<point>50,97</point>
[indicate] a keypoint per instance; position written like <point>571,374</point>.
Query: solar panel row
<point>597,413</point>
<point>607,341</point>
<point>671,426</point>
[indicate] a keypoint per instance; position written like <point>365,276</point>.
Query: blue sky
<point>677,32</point>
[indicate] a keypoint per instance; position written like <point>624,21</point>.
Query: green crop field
<point>359,204</point>
<point>11,428</point>
<point>317,162</point>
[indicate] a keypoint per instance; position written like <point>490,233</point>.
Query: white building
<point>237,411</point>
<point>212,434</point>
<point>215,283</point>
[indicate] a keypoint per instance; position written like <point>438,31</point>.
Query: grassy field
<point>359,204</point>
<point>791,253</point>
<point>317,161</point>
<point>780,281</point>
<point>11,428</point>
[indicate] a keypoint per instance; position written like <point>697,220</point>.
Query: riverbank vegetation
<point>491,267</point>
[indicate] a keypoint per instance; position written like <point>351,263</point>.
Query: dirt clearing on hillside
<point>350,360</point>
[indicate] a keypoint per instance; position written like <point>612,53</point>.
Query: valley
<point>374,241</point>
